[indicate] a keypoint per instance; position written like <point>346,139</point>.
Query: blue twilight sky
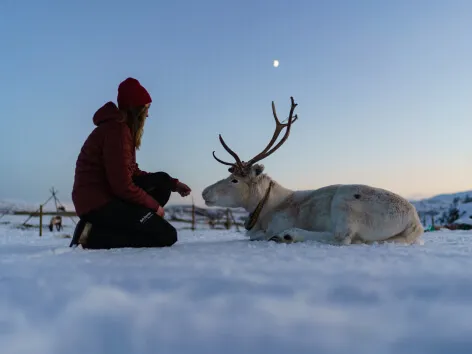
<point>384,89</point>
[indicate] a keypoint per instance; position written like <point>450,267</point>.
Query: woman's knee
<point>159,231</point>
<point>156,184</point>
<point>169,236</point>
<point>162,178</point>
<point>153,180</point>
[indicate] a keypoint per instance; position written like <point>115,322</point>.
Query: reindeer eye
<point>234,181</point>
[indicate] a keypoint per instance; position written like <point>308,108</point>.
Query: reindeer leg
<point>344,227</point>
<point>257,235</point>
<point>294,234</point>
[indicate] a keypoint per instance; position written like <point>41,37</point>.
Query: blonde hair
<point>135,117</point>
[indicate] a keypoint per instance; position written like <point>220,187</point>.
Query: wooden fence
<point>227,222</point>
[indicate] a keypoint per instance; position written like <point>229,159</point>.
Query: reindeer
<point>339,213</point>
<point>55,220</point>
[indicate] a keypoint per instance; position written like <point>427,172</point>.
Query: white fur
<point>330,214</point>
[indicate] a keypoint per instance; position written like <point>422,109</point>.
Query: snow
<point>465,210</point>
<point>216,292</point>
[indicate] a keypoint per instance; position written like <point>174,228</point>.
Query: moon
<point>276,63</point>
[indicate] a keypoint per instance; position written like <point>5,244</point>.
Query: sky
<point>383,89</point>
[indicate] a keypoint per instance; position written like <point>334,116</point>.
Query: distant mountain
<point>10,206</point>
<point>440,201</point>
<point>439,206</point>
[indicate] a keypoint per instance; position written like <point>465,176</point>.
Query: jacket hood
<point>109,111</point>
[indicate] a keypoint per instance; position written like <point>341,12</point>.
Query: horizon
<point>69,205</point>
<point>382,90</point>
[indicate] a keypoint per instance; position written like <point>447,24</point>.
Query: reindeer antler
<point>233,165</point>
<point>278,128</point>
<point>243,167</point>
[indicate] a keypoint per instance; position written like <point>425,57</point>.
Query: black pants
<point>122,224</point>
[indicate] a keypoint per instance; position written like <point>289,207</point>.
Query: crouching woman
<point>118,204</point>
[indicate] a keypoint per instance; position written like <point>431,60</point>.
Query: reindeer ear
<point>257,169</point>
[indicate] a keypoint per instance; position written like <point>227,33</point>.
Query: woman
<point>118,204</point>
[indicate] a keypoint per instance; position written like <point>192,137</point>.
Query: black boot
<point>81,233</point>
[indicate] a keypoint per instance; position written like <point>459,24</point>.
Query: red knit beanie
<point>132,94</point>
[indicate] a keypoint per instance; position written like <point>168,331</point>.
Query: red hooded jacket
<point>106,165</point>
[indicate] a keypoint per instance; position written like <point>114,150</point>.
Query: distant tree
<point>442,219</point>
<point>455,202</point>
<point>452,214</point>
<point>430,215</point>
<point>467,199</point>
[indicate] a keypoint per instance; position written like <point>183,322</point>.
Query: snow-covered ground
<point>215,292</point>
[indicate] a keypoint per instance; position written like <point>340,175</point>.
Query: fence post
<point>193,216</point>
<point>227,222</point>
<point>40,220</point>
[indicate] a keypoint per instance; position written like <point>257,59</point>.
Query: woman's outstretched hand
<point>160,211</point>
<point>183,189</point>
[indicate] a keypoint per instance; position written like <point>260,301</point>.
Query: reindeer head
<point>245,178</point>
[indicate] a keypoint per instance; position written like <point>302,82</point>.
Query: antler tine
<point>277,121</point>
<point>278,128</point>
<point>235,166</point>
<point>231,152</point>
<point>221,161</point>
